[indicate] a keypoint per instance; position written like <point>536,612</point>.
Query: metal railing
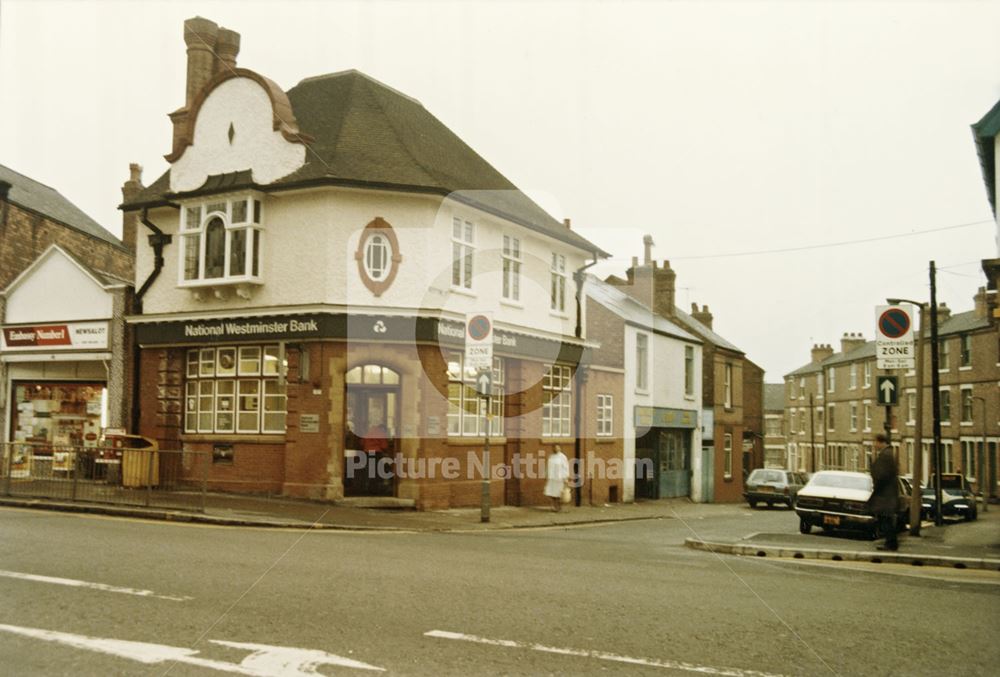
<point>99,474</point>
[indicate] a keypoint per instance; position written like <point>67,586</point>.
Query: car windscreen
<point>766,476</point>
<point>860,482</point>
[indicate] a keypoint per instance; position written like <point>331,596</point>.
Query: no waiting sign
<point>479,341</point>
<point>894,337</point>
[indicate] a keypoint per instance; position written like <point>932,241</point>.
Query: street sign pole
<point>484,507</point>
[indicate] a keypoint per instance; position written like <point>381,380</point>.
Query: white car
<point>838,499</point>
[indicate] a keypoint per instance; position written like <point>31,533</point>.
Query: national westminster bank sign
<point>318,326</point>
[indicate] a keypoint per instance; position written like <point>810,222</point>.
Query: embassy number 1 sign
<point>894,347</point>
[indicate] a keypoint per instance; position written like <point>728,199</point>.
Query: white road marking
<point>73,583</point>
<point>265,661</point>
<point>601,655</point>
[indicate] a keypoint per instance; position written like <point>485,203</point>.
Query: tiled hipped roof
<point>361,132</point>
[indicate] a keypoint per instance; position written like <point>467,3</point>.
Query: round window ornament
<point>378,256</point>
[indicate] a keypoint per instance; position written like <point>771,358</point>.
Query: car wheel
<point>805,526</point>
<point>770,505</point>
<point>753,504</point>
<point>970,515</point>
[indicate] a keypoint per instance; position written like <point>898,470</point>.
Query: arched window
<point>372,374</point>
<point>215,248</point>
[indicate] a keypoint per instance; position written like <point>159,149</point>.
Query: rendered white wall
<point>57,290</point>
<point>242,103</point>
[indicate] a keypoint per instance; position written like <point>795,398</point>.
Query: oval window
<point>378,256</point>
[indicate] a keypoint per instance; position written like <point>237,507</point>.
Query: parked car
<point>836,499</point>
<point>956,497</point>
<point>768,485</point>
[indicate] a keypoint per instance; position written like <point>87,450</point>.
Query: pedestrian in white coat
<point>557,477</point>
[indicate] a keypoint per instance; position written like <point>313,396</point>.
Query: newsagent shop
<point>62,359</point>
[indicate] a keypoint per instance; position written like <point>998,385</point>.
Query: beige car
<point>838,500</point>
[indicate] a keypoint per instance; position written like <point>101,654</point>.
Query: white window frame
<point>728,385</point>
<point>911,406</point>
<point>854,417</point>
<point>512,257</point>
<point>831,416</point>
<point>854,376</point>
<point>557,284</point>
<point>944,402</point>
<point>727,456</point>
<point>605,415</point>
<point>239,214</point>
<point>463,253</point>
<point>831,380</point>
<point>868,375</point>
<point>944,355</point>
<point>381,272</point>
<point>466,409</point>
<point>868,415</point>
<point>965,351</point>
<point>802,387</point>
<point>235,396</point>
<point>689,371</point>
<point>557,401</point>
<point>642,362</point>
<point>967,403</point>
<point>819,384</point>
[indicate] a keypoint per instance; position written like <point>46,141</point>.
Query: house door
<point>371,431</point>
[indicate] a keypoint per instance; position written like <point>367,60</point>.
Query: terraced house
<point>313,255</point>
<point>832,414</point>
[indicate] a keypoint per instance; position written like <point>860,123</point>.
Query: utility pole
<point>916,500</point>
<point>982,477</point>
<point>936,399</point>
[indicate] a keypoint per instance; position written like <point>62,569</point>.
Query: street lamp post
<point>983,476</point>
<point>916,498</point>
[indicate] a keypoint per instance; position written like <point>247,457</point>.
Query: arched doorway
<point>371,438</point>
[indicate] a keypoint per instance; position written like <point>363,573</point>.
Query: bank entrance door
<point>371,419</point>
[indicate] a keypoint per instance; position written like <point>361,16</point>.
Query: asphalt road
<point>623,598</point>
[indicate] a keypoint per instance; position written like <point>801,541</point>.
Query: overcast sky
<point>719,128</point>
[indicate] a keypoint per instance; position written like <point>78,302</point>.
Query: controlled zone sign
<point>479,341</point>
<point>894,347</point>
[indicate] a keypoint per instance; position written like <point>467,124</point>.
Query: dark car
<point>768,485</point>
<point>835,499</point>
<point>957,498</point>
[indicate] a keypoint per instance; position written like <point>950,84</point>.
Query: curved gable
<point>239,121</point>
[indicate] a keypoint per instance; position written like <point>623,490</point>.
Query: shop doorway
<point>371,424</point>
<point>663,467</point>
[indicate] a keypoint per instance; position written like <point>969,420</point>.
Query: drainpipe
<point>157,240</point>
<point>580,380</point>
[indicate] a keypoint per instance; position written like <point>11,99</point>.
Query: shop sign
<point>68,336</point>
<point>664,417</point>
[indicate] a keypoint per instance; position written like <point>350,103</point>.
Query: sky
<point>796,162</point>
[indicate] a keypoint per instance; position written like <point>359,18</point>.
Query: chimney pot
<point>647,245</point>
<point>566,223</point>
<point>227,47</point>
<point>635,261</point>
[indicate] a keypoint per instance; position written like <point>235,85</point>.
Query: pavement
<point>974,545</point>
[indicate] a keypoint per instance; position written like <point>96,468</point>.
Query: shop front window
<point>53,414</point>
<point>234,390</point>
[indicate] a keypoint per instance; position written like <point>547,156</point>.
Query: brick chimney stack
<point>943,313</point>
<point>200,36</point>
<point>851,341</point>
<point>821,351</point>
<point>982,304</point>
<point>130,189</point>
<point>703,315</point>
<point>649,283</point>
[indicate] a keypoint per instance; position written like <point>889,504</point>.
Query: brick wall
<point>25,234</point>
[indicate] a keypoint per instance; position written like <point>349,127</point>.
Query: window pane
<point>207,362</point>
<point>238,252</point>
<point>373,373</point>
<point>192,217</point>
<point>240,211</point>
<point>256,211</point>
<point>225,406</point>
<point>191,254</point>
<point>255,236</point>
<point>467,282</point>
<point>215,248</point>
<point>192,364</point>
<point>271,361</point>
<point>226,365</point>
<point>249,361</point>
<point>353,375</point>
<point>456,265</point>
<point>389,377</point>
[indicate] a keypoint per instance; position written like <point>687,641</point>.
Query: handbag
<point>567,495</point>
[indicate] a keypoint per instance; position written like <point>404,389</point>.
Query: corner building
<point>313,257</point>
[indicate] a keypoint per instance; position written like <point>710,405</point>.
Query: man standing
<point>884,500</point>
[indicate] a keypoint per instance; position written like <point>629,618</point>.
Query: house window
<point>793,393</point>
<point>219,243</point>
<point>605,415</point>
<point>854,377</point>
<point>234,390</point>
<point>377,254</point>
<point>641,361</point>
<point>831,375</point>
<point>463,247</point>
<point>727,456</point>
<point>945,408</point>
<point>911,407</point>
<point>868,374</point>
<point>557,275</point>
<point>854,416</point>
<point>466,408</point>
<point>729,386</point>
<point>819,384</point>
<point>802,421</point>
<point>868,416</point>
<point>943,361</point>
<point>557,398</point>
<point>830,411</point>
<point>965,344</point>
<point>966,405</point>
<point>511,268</point>
<point>969,456</point>
<point>802,388</point>
<point>689,370</point>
